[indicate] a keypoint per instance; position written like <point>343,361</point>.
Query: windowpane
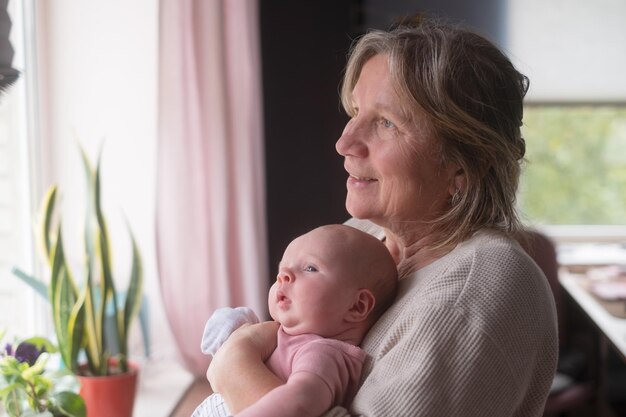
<point>20,310</point>
<point>576,171</point>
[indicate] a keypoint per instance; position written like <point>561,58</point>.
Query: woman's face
<point>393,160</point>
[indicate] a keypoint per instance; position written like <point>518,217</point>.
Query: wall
<point>486,16</point>
<point>304,46</point>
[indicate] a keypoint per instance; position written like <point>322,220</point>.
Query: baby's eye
<point>310,268</point>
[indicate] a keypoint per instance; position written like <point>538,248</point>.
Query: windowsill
<point>162,383</point>
<point>588,245</point>
<point>563,234</point>
<point>591,254</point>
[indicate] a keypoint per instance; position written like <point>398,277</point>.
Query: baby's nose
<point>284,277</point>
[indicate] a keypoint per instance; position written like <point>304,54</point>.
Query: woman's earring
<point>456,198</point>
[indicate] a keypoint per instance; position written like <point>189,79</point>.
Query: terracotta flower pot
<point>110,396</point>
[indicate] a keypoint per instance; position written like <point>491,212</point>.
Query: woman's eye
<point>387,124</point>
<point>310,268</point>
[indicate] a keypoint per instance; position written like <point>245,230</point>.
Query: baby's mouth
<point>282,299</point>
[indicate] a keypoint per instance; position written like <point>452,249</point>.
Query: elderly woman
<point>433,152</point>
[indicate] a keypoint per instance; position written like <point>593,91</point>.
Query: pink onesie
<point>338,363</point>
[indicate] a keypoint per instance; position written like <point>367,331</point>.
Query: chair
<point>566,393</point>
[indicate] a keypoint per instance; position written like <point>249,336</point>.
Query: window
<point>20,310</point>
<point>577,169</point>
<point>575,116</point>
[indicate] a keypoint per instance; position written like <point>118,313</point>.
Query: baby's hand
<point>222,323</point>
<point>251,343</point>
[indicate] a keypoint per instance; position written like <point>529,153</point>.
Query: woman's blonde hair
<point>472,98</point>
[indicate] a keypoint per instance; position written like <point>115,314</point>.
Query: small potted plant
<point>28,388</point>
<point>79,312</point>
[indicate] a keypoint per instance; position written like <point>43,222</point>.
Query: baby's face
<point>315,286</point>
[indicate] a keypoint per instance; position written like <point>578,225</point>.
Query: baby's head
<point>334,281</point>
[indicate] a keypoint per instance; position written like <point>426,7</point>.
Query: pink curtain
<point>211,237</point>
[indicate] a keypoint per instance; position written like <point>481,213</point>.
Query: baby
<point>333,283</point>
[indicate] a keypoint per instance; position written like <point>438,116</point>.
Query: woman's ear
<point>363,305</point>
<point>459,182</point>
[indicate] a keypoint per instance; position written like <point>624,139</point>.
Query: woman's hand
<point>238,371</point>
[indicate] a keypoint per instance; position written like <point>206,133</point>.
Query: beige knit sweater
<point>472,334</point>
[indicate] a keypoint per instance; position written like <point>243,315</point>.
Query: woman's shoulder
<point>367,227</point>
<point>488,283</point>
<point>496,260</point>
<point>488,267</point>
<point>496,283</point>
<point>488,240</point>
<point>485,248</point>
<point>501,248</point>
<point>489,254</point>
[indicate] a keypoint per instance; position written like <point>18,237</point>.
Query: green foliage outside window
<point>576,170</point>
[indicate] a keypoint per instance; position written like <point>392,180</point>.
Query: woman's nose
<point>350,142</point>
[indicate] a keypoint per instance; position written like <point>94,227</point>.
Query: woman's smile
<point>353,180</point>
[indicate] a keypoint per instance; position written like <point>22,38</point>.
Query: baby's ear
<point>363,305</point>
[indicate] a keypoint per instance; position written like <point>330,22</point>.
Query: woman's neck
<point>412,250</point>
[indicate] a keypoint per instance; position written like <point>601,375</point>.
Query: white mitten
<point>222,323</point>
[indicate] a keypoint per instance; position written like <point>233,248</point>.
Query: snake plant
<point>79,312</point>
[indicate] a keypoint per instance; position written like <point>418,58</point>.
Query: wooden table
<point>610,328</point>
